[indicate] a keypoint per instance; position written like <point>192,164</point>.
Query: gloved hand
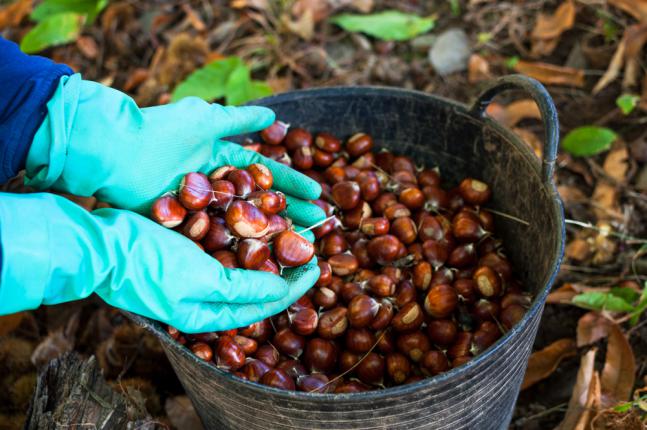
<point>96,141</point>
<point>54,251</point>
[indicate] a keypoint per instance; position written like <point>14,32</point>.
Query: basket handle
<point>546,107</point>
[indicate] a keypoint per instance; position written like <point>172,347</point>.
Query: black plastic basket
<point>461,141</point>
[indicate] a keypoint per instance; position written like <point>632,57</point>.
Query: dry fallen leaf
<point>635,8</point>
<point>571,194</point>
<point>592,404</point>
<point>619,370</point>
<point>87,46</point>
<point>13,14</point>
<point>604,245</point>
<point>478,69</point>
<point>544,362</point>
<point>564,294</point>
<point>255,4</point>
<point>303,26</point>
<point>181,413</point>
<point>531,139</point>
<point>551,74</point>
<point>605,194</point>
<point>627,54</point>
<point>579,249</point>
<point>591,327</point>
<point>580,393</point>
<point>548,29</point>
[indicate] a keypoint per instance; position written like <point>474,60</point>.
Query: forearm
<point>26,84</point>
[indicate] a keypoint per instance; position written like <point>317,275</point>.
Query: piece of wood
<point>72,393</point>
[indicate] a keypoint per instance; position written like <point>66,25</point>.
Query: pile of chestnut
<point>413,281</point>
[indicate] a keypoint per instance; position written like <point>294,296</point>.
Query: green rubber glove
<point>96,141</point>
<point>53,251</point>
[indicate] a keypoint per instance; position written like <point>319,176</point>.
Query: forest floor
<point>590,365</point>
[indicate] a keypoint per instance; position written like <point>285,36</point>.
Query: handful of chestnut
<point>413,281</point>
<point>233,214</point>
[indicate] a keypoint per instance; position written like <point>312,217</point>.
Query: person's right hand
<point>54,251</point>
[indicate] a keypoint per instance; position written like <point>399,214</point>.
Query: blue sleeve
<point>26,85</point>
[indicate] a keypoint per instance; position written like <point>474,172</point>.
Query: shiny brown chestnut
<point>440,301</point>
<point>275,133</point>
<point>252,253</point>
<point>168,211</point>
<point>291,249</point>
<point>195,191</point>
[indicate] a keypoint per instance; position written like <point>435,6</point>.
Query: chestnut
<point>497,263</point>
<point>436,252</point>
<point>255,369</point>
<point>511,315</point>
<point>291,249</point>
<point>466,289</point>
<point>248,345</point>
<point>229,354</point>
<point>261,175</point>
<point>381,286</point>
<point>461,346</point>
<point>327,142</point>
<point>322,158</point>
<point>433,362</point>
<point>197,226</point>
<point>195,191</point>
<point>369,185</point>
<point>361,310</point>
<point>350,387</point>
<point>396,210</point>
<point>223,194</point>
<point>402,163</point>
<point>354,218</point>
<point>270,266</point>
<point>325,298</point>
<point>202,351</point>
<point>320,355</point>
<point>409,317</point>
<point>343,264</point>
<point>381,203</point>
<point>333,323</point>
<point>315,383</point>
<point>305,321</point>
<point>289,343</point>
<point>346,194</point>
<point>474,191</point>
<point>332,244</point>
<point>260,331</point>
<point>383,249</point>
<point>383,316</point>
<point>226,258</point>
<point>398,367</point>
<point>268,355</point>
<point>168,211</point>
<point>221,172</point>
<point>466,227</point>
<point>243,182</point>
<point>302,158</point>
<point>486,310</point>
<point>278,378</point>
<point>462,256</point>
<point>298,138</point>
<point>375,226</point>
<point>413,345</point>
<point>442,332</point>
<point>325,274</point>
<point>405,293</point>
<point>366,161</point>
<point>246,220</point>
<point>335,174</point>
<point>269,202</point>
<point>385,342</point>
<point>441,300</point>
<point>359,340</point>
<point>370,369</point>
<point>412,198</point>
<point>429,177</point>
<point>421,275</point>
<point>252,253</point>
<point>218,236</point>
<point>359,144</point>
<point>275,133</point>
<point>404,229</point>
<point>350,290</point>
<point>486,334</point>
<point>293,368</point>
<point>488,283</point>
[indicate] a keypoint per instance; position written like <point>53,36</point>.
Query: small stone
<point>450,52</point>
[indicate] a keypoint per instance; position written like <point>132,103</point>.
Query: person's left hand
<point>96,141</point>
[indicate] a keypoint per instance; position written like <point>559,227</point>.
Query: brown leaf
<point>478,69</point>
<point>564,294</point>
<point>591,327</point>
<point>605,194</point>
<point>619,369</point>
<point>181,413</point>
<point>303,26</point>
<point>616,163</point>
<point>254,4</point>
<point>627,54</point>
<point>635,8</point>
<point>87,46</point>
<point>592,403</point>
<point>9,323</point>
<point>135,79</point>
<point>579,249</point>
<point>551,74</point>
<point>544,362</point>
<point>531,139</point>
<point>511,114</point>
<point>13,14</point>
<point>571,194</point>
<point>579,395</point>
<point>549,28</point>
<point>194,18</point>
<point>605,247</point>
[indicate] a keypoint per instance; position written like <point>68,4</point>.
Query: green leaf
<point>640,307</point>
<point>209,82</point>
<point>387,25</point>
<point>227,78</point>
<point>602,301</point>
<point>623,407</point>
<point>48,8</point>
<point>55,30</point>
<point>588,140</point>
<point>627,294</point>
<point>627,103</point>
<point>455,7</point>
<point>511,62</point>
<point>241,89</point>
